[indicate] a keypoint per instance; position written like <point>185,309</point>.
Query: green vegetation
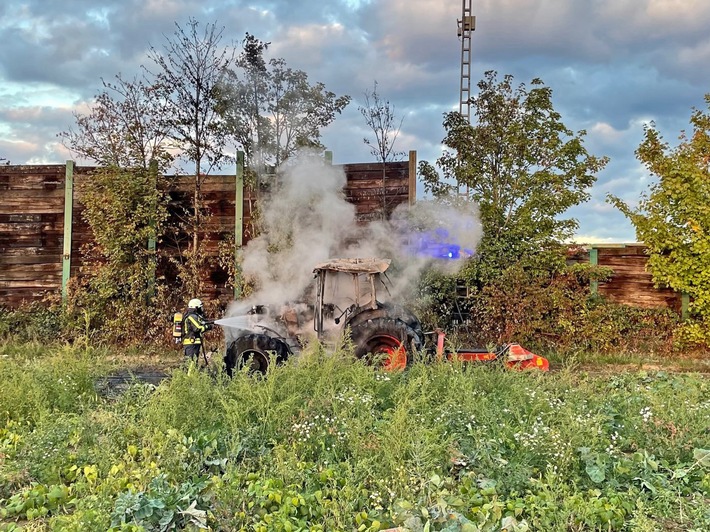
<point>674,221</point>
<point>326,443</point>
<point>546,312</point>
<point>522,167</point>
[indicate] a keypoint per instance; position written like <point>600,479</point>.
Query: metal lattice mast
<point>466,25</point>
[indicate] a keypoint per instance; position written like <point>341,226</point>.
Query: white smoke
<point>301,224</point>
<point>307,220</point>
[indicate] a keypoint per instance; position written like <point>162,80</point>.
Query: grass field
<point>327,443</point>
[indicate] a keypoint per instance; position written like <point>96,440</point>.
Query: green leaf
<point>702,456</point>
<point>595,473</point>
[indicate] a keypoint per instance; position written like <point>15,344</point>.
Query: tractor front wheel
<point>253,351</point>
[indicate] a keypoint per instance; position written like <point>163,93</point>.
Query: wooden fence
<point>42,229</point>
<point>631,283</point>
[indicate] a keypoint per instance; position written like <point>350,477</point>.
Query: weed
<point>326,442</point>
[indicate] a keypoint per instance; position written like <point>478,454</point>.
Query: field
<point>330,444</point>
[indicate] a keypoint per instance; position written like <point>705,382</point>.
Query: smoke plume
<point>306,220</point>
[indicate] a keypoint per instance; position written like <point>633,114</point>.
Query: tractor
<point>346,300</point>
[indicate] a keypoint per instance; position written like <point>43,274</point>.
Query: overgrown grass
<point>326,443</point>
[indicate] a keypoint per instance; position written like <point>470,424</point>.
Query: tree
<point>123,127</point>
<point>379,115</point>
<point>191,69</point>
<point>124,210</point>
<point>522,166</point>
<point>122,201</point>
<point>273,109</point>
<point>299,110</point>
<point>673,221</point>
<point>244,102</point>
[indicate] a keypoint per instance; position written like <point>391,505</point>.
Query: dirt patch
<point>117,382</point>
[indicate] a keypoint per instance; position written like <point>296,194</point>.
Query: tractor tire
<point>254,351</point>
<point>386,342</point>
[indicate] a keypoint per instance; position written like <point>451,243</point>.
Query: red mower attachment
<point>514,355</point>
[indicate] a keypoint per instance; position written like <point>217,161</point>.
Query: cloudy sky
<point>613,65</point>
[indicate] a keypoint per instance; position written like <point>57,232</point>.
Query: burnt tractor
<point>346,301</point>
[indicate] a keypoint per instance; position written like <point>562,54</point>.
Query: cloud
<point>612,65</point>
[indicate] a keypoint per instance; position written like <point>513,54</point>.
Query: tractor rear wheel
<point>253,351</point>
<point>386,342</point>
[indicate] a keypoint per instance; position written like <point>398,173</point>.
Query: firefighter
<point>194,326</point>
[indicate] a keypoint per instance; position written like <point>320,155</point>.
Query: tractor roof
<point>363,265</point>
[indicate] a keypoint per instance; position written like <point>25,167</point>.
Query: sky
<point>613,66</point>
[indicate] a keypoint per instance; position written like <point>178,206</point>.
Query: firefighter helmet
<point>195,303</point>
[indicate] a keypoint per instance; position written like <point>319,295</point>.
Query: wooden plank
<point>639,297</point>
<point>31,168</point>
<point>374,202</point>
<point>42,195</point>
<point>621,272</point>
<point>641,291</point>
<point>11,259</point>
<point>29,241</point>
<point>30,252</point>
<point>37,267</point>
<point>34,182</point>
<point>621,279</point>
<point>31,206</point>
<point>44,283</point>
<point>622,252</point>
<point>32,277</point>
<point>354,168</point>
<point>28,218</point>
<point>23,292</point>
<point>638,261</point>
<point>377,184</point>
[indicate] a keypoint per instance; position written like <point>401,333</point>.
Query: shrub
<point>41,322</point>
<point>548,312</point>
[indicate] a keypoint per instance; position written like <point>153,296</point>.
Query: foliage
<point>274,110</point>
<point>162,506</point>
<point>190,69</point>
<point>117,282</point>
<point>37,383</point>
<point>522,166</point>
<point>674,220</point>
<point>331,444</point>
<point>547,312</point>
<point>379,115</point>
<point>41,322</point>
<point>124,127</point>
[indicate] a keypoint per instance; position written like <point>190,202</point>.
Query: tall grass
<point>328,443</point>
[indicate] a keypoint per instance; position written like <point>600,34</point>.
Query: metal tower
<point>466,25</point>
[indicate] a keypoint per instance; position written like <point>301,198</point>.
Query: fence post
<point>594,261</point>
<point>684,304</point>
<point>153,178</point>
<point>68,219</point>
<point>412,177</point>
<point>238,223</point>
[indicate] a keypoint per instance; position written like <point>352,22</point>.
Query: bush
<point>548,313</point>
<point>39,322</point>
